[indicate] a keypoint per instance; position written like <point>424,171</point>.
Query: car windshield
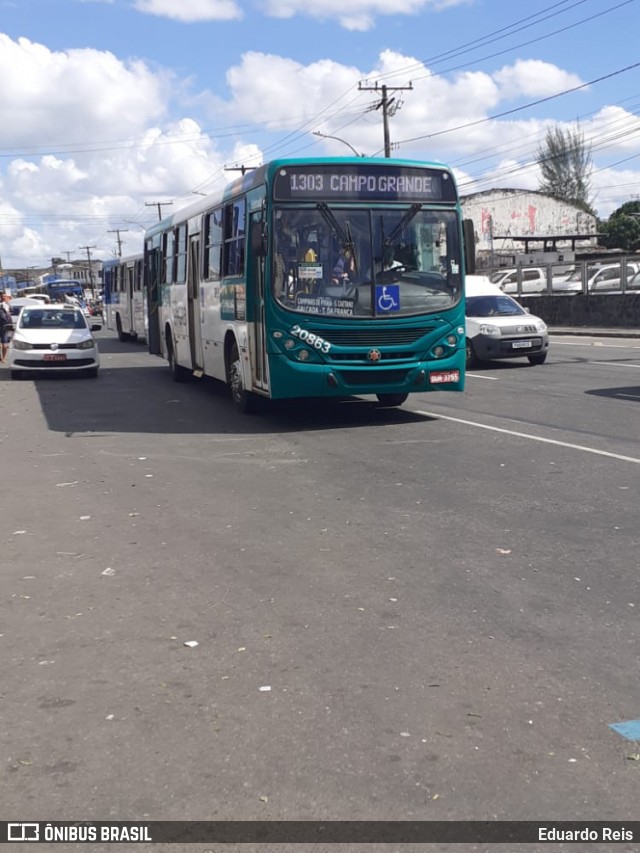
<point>492,306</point>
<point>63,318</point>
<point>358,263</point>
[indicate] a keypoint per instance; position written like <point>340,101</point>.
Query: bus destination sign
<point>325,182</point>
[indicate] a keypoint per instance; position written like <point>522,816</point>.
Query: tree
<point>565,166</point>
<point>622,229</point>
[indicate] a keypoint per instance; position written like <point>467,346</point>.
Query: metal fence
<point>621,275</point>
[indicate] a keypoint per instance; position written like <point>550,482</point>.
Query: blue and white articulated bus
<point>125,298</point>
<point>331,278</point>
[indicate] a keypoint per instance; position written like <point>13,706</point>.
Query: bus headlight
<point>303,355</point>
<point>289,343</point>
<point>438,351</point>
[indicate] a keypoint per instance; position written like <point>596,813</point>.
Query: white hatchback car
<point>50,338</point>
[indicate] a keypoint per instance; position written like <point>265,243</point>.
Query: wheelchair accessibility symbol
<point>388,297</point>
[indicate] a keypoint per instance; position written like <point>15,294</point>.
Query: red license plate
<point>444,376</point>
<point>58,356</point>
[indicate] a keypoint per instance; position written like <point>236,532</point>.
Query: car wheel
<point>389,400</point>
<point>16,374</point>
<point>92,372</point>
<point>538,358</point>
<point>472,358</point>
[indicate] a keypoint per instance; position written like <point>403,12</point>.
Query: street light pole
<point>344,142</point>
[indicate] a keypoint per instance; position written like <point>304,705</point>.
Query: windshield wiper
<point>406,219</point>
<point>345,238</point>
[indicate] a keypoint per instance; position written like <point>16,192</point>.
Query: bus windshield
<point>384,262</point>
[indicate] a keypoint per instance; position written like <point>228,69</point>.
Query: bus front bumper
<point>290,378</point>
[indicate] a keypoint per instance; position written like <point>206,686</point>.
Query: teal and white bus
<point>124,300</point>
<point>315,278</point>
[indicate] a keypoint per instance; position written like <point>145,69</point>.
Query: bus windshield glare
<point>339,261</point>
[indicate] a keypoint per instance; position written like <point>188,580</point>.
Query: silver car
<point>50,338</point>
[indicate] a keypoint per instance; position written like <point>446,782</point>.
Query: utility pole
<point>389,107</point>
<point>88,250</point>
<point>117,231</point>
<point>159,205</point>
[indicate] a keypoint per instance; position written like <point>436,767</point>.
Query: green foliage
<point>622,229</point>
<point>565,166</point>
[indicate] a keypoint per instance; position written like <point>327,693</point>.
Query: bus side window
<point>214,241</point>
<point>234,243</point>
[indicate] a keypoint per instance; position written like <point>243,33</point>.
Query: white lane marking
<point>616,364</point>
<point>477,376</point>
<point>531,437</point>
<point>594,344</point>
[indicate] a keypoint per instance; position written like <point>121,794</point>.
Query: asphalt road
<point>428,613</point>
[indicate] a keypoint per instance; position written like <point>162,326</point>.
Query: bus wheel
<point>121,334</point>
<point>178,373</point>
<point>472,358</point>
<point>243,400</point>
<point>389,400</point>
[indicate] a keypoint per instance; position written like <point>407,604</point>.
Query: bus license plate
<point>58,356</point>
<point>442,376</point>
<point>521,344</point>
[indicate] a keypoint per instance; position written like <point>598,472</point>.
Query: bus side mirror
<point>469,239</point>
<point>259,240</point>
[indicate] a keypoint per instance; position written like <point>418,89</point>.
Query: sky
<point>110,108</point>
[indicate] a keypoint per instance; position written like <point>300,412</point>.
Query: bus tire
<point>243,400</point>
<point>389,400</point>
<point>538,358</point>
<point>472,358</point>
<point>178,373</point>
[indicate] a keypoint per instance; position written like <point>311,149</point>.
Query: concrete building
<point>501,216</point>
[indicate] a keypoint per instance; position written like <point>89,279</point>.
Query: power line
<point>119,240</point>
<point>159,205</point>
<point>388,105</point>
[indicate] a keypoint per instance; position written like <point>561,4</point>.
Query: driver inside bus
<point>344,269</point>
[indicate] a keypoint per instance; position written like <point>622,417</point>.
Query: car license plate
<point>57,356</point>
<point>521,345</point>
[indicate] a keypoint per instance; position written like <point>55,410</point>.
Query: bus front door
<point>193,305</point>
<point>256,287</point>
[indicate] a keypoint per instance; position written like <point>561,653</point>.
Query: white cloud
<point>356,14</point>
<point>73,96</point>
<point>532,78</point>
<point>190,11</point>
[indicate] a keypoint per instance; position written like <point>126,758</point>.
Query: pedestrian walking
<point>6,325</point>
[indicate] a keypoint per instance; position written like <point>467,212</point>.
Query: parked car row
<point>600,278</point>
